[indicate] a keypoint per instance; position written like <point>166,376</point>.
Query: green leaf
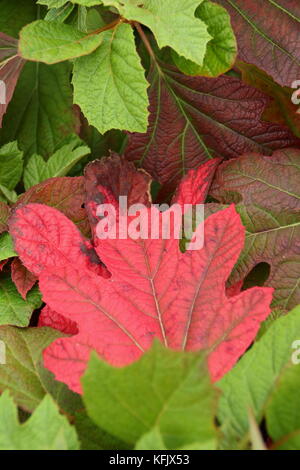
<point>283,410</point>
<point>52,42</point>
<point>6,247</point>
<point>11,165</point>
<point>40,114</point>
<point>23,374</point>
<point>173,23</point>
<point>46,429</point>
<point>117,87</point>
<point>221,50</point>
<point>8,195</point>
<point>152,440</point>
<point>252,382</point>
<point>59,14</point>
<point>59,164</point>
<point>14,310</point>
<point>167,389</point>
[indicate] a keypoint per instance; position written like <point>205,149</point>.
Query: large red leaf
<point>155,291</point>
<point>9,70</point>
<point>268,35</point>
<point>193,119</point>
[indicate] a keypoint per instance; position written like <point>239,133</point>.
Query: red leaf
<point>10,71</point>
<point>24,280</point>
<point>193,119</point>
<point>155,291</point>
<point>3,263</point>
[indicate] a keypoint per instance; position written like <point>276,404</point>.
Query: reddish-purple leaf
<point>155,291</point>
<point>23,279</point>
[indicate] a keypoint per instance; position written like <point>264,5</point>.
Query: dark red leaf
<point>193,119</point>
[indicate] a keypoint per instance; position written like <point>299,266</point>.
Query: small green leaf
<point>173,23</point>
<point>221,50</point>
<point>23,374</point>
<point>117,87</point>
<point>51,42</point>
<point>257,442</point>
<point>46,429</point>
<point>167,389</point>
<point>6,247</point>
<point>14,310</point>
<point>59,164</point>
<point>11,165</point>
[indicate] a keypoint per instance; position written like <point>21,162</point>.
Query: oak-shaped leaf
<point>65,194</point>
<point>193,119</point>
<point>267,192</point>
<point>154,291</point>
<point>172,22</point>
